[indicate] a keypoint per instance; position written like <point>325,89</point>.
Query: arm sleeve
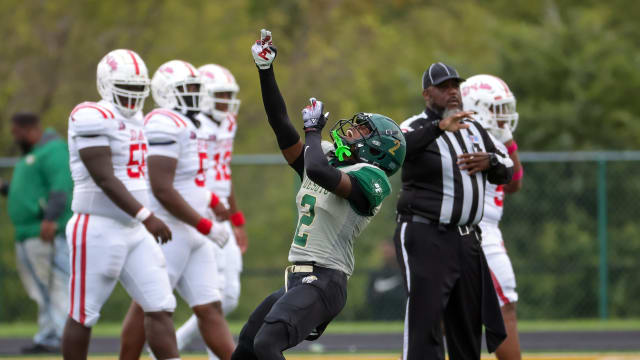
<point>501,173</point>
<point>374,185</point>
<point>55,205</point>
<point>419,134</point>
<point>58,176</point>
<point>162,134</point>
<point>316,164</point>
<point>276,110</point>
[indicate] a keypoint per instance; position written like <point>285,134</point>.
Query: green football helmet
<point>380,141</point>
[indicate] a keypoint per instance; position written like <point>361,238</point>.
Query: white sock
<point>187,332</point>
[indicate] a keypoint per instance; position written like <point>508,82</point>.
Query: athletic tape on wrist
<point>204,226</point>
<point>237,219</point>
<point>143,214</point>
<point>512,148</point>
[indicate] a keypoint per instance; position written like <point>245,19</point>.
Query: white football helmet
<point>177,85</point>
<point>491,98</point>
<point>123,80</point>
<point>217,79</point>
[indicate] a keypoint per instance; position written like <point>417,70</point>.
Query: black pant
<point>284,319</point>
<point>446,278</point>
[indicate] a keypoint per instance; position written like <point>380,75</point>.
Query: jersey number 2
<point>305,220</point>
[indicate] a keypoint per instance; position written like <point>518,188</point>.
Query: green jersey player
<point>342,188</point>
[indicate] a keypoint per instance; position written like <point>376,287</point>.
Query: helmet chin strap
<point>341,149</point>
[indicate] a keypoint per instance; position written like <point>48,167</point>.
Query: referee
<point>449,159</point>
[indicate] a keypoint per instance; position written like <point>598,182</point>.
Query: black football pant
<point>284,319</point>
<point>443,277</point>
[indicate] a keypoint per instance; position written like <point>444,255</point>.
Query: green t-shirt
<point>43,170</point>
<point>329,224</point>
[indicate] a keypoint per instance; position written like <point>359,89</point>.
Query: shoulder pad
<point>165,117</point>
<point>162,125</point>
<point>89,118</point>
<point>373,182</point>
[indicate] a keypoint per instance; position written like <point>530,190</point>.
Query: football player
<point>342,188</point>
<point>177,162</point>
<point>111,234</point>
<point>495,107</point>
<point>219,115</point>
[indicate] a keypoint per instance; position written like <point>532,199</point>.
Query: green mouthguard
<point>341,149</point>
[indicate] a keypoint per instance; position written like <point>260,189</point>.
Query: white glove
<point>219,235</point>
<point>312,115</point>
<point>263,50</point>
<point>502,134</point>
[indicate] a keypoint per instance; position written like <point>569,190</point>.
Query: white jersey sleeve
<point>163,130</point>
<point>89,125</point>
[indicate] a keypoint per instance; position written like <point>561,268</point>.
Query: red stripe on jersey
<point>190,68</point>
<point>73,264</point>
<point>135,62</point>
<point>107,110</point>
<point>176,119</point>
<point>83,269</point>
<point>496,284</point>
<point>92,106</point>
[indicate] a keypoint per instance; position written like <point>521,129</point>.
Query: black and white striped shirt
<point>433,186</point>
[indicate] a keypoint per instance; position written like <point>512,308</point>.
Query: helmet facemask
<point>352,132</point>
<point>505,115</point>
<point>129,96</point>
<point>217,99</point>
<point>188,94</point>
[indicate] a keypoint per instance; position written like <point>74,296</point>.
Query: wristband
<point>512,148</point>
<point>237,219</point>
<point>213,200</point>
<point>204,226</point>
<point>143,214</point>
<point>518,175</point>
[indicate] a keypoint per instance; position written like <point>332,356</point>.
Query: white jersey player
<point>107,237</point>
<point>218,117</point>
<point>495,107</point>
<point>177,163</point>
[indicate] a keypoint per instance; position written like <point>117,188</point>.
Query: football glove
<point>219,235</point>
<point>263,50</point>
<point>312,116</point>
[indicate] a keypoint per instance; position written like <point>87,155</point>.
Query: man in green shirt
<point>39,200</point>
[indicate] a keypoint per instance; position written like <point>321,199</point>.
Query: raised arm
<point>317,166</point>
<point>288,139</point>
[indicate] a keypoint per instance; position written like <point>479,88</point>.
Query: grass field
<point>611,356</point>
<point>113,329</point>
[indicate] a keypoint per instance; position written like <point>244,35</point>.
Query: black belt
<point>462,229</point>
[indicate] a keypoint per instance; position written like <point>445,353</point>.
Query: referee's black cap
<point>438,73</point>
